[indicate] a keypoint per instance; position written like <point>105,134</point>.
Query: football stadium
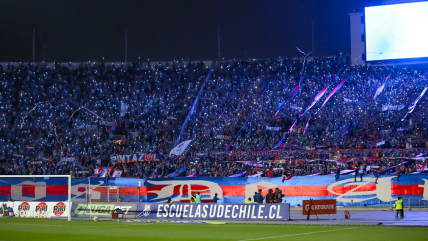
<point>214,120</point>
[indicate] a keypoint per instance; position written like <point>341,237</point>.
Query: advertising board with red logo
<point>40,209</point>
<point>327,206</point>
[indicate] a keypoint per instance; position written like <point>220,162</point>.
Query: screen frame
<point>398,60</point>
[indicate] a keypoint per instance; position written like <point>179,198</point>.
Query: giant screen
<point>398,31</point>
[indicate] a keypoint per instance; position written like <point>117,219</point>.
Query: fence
<point>112,194</point>
<point>410,203</point>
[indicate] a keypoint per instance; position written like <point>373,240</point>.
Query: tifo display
<point>100,197</point>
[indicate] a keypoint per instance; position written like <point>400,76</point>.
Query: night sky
<point>166,30</point>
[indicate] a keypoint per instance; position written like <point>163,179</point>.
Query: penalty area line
<point>298,234</point>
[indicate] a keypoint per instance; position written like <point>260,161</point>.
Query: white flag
<point>380,143</point>
<point>123,108</point>
<point>180,148</point>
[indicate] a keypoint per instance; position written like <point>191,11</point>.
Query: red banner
<point>327,206</point>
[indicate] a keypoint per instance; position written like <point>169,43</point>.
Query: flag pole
<point>34,43</point>
<point>218,42</point>
<point>313,39</point>
<point>126,45</point>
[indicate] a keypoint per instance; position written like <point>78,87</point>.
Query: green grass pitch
<point>47,229</point>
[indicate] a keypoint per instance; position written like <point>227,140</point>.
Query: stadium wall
<point>229,190</point>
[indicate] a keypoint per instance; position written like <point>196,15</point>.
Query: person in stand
<point>248,201</point>
<point>399,208</point>
<point>270,175</point>
<point>215,198</point>
<point>337,173</point>
<point>362,171</point>
<point>258,198</point>
<point>198,198</point>
<point>398,170</point>
<point>375,170</point>
<point>193,198</point>
<point>356,173</point>
<point>169,200</point>
<point>284,175</point>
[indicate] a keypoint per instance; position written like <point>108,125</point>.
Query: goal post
<point>29,188</point>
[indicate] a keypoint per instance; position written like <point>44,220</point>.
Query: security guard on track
<point>399,208</point>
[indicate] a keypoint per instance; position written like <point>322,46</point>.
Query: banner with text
<point>392,107</point>
<point>322,152</point>
<point>267,212</point>
<point>39,209</point>
<point>139,157</point>
<point>327,206</point>
<point>86,210</point>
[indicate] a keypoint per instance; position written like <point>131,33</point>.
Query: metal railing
<point>410,203</point>
<point>112,194</point>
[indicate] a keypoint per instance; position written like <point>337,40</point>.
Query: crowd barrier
<point>230,190</point>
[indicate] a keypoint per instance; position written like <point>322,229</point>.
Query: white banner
<point>85,126</point>
<point>296,108</point>
<point>39,209</point>
<point>380,143</point>
<point>123,108</point>
<point>273,128</point>
<point>392,107</point>
<point>68,159</point>
<point>349,100</point>
<point>180,148</point>
<point>223,137</point>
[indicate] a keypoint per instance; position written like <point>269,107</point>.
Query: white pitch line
<point>98,226</point>
<point>124,225</point>
<point>297,234</point>
<point>31,224</point>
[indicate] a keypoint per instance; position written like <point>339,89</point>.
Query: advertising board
<point>39,209</point>
<point>327,206</point>
<point>197,211</point>
<point>102,209</point>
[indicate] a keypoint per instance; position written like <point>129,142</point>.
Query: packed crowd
<point>72,118</point>
<point>90,112</point>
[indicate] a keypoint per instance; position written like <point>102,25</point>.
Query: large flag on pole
<point>294,92</point>
<point>317,97</point>
<point>325,101</point>
<point>413,105</point>
<point>378,91</point>
<point>123,108</point>
<point>180,148</point>
<point>332,93</point>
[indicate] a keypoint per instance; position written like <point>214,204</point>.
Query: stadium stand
<point>73,118</point>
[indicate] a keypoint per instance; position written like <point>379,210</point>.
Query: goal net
<point>35,196</point>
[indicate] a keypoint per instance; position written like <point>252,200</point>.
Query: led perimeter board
<point>398,31</point>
